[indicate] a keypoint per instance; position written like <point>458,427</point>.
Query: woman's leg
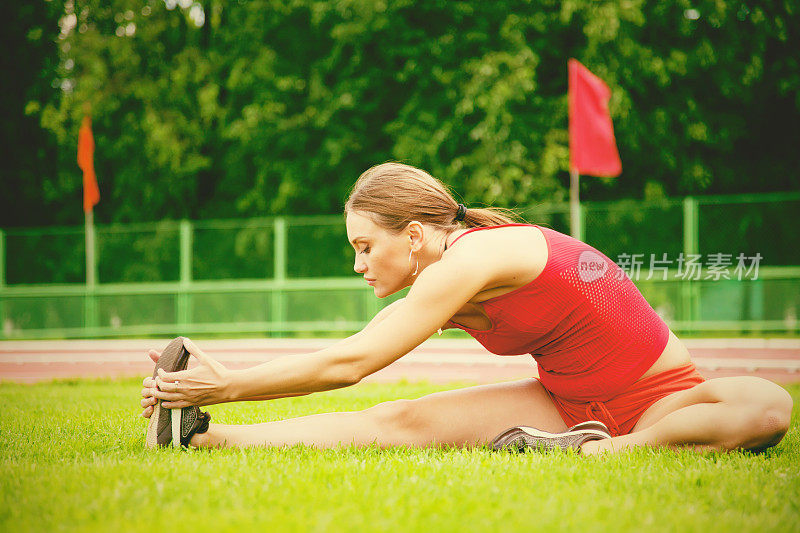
<point>463,417</point>
<point>718,414</point>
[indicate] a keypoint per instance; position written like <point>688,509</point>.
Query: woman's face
<point>380,255</point>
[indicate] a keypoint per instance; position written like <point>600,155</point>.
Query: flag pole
<point>574,203</point>
<point>90,274</point>
<point>91,195</point>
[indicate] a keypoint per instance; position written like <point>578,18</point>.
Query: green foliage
<point>275,107</point>
<point>72,457</point>
<point>27,72</point>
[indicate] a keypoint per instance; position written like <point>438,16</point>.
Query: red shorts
<point>622,412</point>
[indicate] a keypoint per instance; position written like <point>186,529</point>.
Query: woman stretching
<point>603,353</point>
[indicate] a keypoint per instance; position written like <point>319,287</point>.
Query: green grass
<point>73,458</point>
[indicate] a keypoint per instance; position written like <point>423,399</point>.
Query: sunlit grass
<point>73,458</point>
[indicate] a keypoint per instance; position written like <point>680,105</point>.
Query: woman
<point>603,353</point>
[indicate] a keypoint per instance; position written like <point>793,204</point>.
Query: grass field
<point>72,458</point>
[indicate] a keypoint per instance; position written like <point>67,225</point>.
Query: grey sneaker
<point>521,438</point>
<point>176,426</point>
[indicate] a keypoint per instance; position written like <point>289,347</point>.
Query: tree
<point>218,109</point>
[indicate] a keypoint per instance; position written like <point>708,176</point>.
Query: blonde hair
<point>394,194</point>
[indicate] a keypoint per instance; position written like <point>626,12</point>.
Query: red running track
<point>436,360</point>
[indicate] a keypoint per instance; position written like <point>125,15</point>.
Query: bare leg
<point>470,416</point>
<point>719,414</point>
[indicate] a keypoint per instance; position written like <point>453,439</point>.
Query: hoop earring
<point>409,260</point>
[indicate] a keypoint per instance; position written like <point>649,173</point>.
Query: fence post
<point>90,317</point>
<point>184,298</point>
<point>278,311</point>
<point>2,283</point>
<point>756,310</point>
<point>691,245</point>
<point>691,230</point>
<point>2,259</point>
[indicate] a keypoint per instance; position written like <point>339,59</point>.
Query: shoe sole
<point>521,438</point>
<point>173,358</point>
<point>175,414</point>
<point>591,425</point>
<point>151,439</point>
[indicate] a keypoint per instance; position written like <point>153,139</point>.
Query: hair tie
<point>462,212</point>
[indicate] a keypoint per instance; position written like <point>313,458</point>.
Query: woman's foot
<point>174,426</point>
<point>184,424</point>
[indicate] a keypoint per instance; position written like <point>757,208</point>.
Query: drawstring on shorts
<point>604,416</point>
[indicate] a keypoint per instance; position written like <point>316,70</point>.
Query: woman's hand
<point>148,388</point>
<point>206,384</point>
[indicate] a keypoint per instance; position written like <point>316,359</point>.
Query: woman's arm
<point>438,293</point>
<point>210,382</point>
<point>379,316</point>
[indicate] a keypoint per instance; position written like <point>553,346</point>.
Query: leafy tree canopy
<point>213,109</point>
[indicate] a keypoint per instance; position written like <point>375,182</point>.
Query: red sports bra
<point>589,328</point>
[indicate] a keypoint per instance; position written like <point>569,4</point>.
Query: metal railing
<point>293,275</point>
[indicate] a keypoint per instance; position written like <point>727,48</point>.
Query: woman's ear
<point>416,232</point>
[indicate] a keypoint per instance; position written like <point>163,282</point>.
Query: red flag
<point>592,148</point>
<point>91,194</point>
